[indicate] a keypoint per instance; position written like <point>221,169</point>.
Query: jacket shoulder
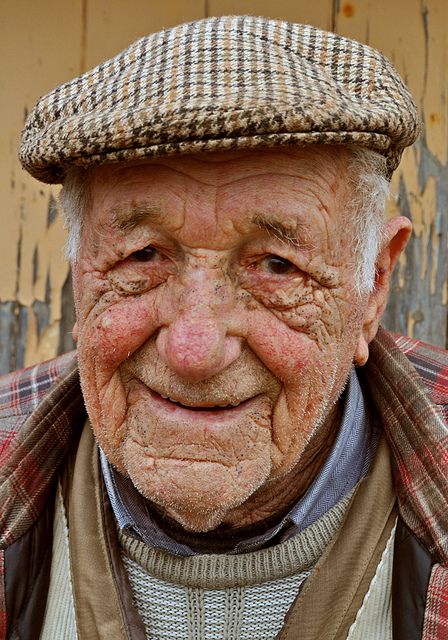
<point>431,363</point>
<point>22,391</point>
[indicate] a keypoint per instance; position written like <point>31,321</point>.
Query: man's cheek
<point>321,319</point>
<point>285,351</point>
<point>118,331</point>
<point>103,345</point>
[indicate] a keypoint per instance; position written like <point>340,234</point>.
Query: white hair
<point>74,199</point>
<point>364,214</point>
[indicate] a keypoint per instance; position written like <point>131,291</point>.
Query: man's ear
<point>396,233</point>
<point>75,332</point>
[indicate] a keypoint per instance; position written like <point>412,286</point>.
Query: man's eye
<point>144,255</point>
<point>278,266</point>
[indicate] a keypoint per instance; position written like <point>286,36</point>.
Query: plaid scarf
<point>417,432</point>
<point>42,412</point>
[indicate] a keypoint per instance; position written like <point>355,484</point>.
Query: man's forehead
<point>276,191</point>
<point>219,168</point>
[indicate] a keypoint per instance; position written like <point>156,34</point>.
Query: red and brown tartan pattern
<point>2,596</point>
<point>426,360</point>
<point>41,410</point>
<point>20,394</point>
<point>435,626</point>
<point>37,427</point>
<point>417,434</point>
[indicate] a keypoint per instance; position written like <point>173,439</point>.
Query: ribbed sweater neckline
<point>221,571</point>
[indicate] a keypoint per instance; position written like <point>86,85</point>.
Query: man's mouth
<point>203,406</point>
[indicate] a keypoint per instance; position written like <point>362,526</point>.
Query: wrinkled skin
<point>213,341</point>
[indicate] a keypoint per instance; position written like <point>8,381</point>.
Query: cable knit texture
<point>224,596</point>
<point>209,598</point>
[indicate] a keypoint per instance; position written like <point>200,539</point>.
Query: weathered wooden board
<point>414,35</point>
<point>38,50</point>
<point>111,25</point>
<point>47,42</point>
<point>319,13</point>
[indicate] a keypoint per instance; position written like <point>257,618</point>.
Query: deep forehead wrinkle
<point>287,233</point>
<point>127,217</point>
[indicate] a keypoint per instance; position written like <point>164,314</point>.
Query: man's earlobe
<point>396,233</point>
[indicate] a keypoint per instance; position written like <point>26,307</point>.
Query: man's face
<point>217,320</point>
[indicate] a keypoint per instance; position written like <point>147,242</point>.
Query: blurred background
<point>46,42</point>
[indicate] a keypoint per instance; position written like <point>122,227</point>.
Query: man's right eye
<point>144,255</point>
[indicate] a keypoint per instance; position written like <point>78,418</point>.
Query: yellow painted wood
<point>35,56</point>
<point>435,97</point>
<point>413,34</point>
<point>113,24</point>
<point>319,13</point>
<point>38,51</point>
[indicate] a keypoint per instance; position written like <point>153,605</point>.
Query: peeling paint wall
<point>414,35</point>
<point>48,42</point>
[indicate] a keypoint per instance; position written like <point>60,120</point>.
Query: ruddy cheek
<point>284,351</point>
<point>120,330</point>
<point>102,347</point>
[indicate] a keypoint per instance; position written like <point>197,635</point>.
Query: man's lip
<point>199,407</point>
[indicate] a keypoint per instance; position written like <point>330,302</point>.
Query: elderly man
<point>227,472</point>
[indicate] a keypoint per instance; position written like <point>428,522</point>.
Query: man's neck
<point>276,499</point>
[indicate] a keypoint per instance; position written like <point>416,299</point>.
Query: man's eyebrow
<point>287,233</point>
<point>128,217</point>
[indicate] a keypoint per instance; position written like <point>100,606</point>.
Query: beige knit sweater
<point>242,597</point>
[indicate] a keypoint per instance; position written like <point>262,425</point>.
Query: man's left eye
<point>277,266</point>
<point>144,255</point>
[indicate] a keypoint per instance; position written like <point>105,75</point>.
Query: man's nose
<point>196,344</point>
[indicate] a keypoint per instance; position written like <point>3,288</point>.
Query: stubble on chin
<point>195,474</point>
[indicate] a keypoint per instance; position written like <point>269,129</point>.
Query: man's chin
<point>198,495</point>
<point>197,522</point>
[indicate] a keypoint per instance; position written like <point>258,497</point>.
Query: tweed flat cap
<point>222,83</point>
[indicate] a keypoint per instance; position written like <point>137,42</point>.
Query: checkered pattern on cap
<point>222,83</point>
